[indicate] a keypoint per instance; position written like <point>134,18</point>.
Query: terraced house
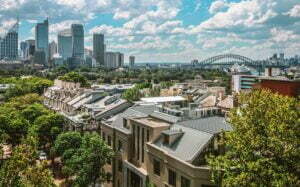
<point>161,146</point>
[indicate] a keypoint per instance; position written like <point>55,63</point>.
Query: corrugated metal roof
<point>186,146</point>
<point>211,125</point>
<point>165,117</point>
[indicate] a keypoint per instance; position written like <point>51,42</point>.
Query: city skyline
<point>167,31</point>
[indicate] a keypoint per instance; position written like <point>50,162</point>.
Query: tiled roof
<point>210,125</point>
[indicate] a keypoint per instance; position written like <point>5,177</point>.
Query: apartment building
<point>161,146</point>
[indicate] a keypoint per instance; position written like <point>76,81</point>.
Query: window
<point>143,142</point>
<point>120,165</point>
<point>109,140</point>
<point>166,139</point>
<point>133,137</point>
<point>103,136</point>
<point>125,124</point>
<point>138,142</point>
<point>172,178</point>
<point>120,145</point>
<point>148,135</point>
<point>156,167</point>
<point>185,182</point>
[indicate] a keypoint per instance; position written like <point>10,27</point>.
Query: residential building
<point>64,40</point>
<point>158,146</point>
<point>114,59</point>
<point>42,38</point>
<point>9,44</point>
<point>131,61</point>
<point>243,82</point>
<point>77,41</point>
<point>99,48</point>
<point>280,85</point>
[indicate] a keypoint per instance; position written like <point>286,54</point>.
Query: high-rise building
<point>30,49</point>
<point>77,40</point>
<point>23,47</point>
<point>99,48</point>
<point>52,49</point>
<point>114,59</point>
<point>64,40</point>
<point>9,44</point>
<point>42,38</point>
<point>131,61</point>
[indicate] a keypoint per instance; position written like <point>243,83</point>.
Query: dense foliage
<point>25,85</point>
<point>84,156</point>
<point>22,169</point>
<point>75,77</point>
<point>26,114</point>
<point>263,149</point>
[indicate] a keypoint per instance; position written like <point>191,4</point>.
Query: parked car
<point>42,156</point>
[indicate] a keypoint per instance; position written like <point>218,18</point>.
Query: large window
<point>109,140</point>
<point>156,167</point>
<point>172,178</point>
<point>120,146</point>
<point>120,165</point>
<point>143,142</point>
<point>185,182</point>
<point>148,135</point>
<point>103,136</point>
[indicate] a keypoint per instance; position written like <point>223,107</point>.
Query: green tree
<point>263,149</point>
<point>48,127</point>
<point>75,77</point>
<point>132,94</point>
<point>21,169</point>
<point>89,160</point>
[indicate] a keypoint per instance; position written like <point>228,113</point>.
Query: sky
<point>168,30</point>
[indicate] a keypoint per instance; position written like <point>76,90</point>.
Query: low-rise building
<point>160,146</point>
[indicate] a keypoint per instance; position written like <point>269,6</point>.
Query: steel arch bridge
<point>228,59</point>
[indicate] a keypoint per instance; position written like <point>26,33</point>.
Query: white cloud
<point>279,35</point>
<point>121,14</point>
<point>218,5</point>
<point>294,12</point>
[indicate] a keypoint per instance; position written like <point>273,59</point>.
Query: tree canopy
<point>263,149</point>
<point>22,86</point>
<point>84,156</point>
<point>75,77</point>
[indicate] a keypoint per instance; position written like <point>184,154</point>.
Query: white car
<point>42,156</point>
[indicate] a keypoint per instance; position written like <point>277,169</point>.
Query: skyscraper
<point>64,40</point>
<point>131,61</point>
<point>23,47</point>
<point>42,38</point>
<point>77,40</point>
<point>99,48</point>
<point>30,49</point>
<point>9,43</point>
<point>52,49</point>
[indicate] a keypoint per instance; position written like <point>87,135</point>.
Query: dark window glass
<point>172,178</point>
<point>103,136</point>
<point>120,145</point>
<point>148,135</point>
<point>120,165</point>
<point>185,182</point>
<point>156,167</point>
<point>143,142</point>
<point>109,140</point>
<point>138,142</point>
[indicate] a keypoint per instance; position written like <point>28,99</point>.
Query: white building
<point>114,59</point>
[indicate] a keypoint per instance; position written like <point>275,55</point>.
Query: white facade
<point>114,59</point>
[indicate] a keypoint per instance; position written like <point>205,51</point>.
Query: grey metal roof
<point>211,125</point>
<point>187,146</point>
<point>165,117</point>
<point>135,111</point>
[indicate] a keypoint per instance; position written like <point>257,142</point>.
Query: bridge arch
<point>229,58</point>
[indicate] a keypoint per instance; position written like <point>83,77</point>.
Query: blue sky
<point>169,30</point>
